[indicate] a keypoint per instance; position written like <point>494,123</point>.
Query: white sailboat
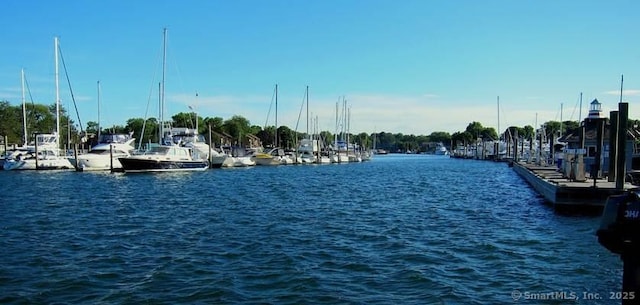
<point>46,149</point>
<point>309,147</point>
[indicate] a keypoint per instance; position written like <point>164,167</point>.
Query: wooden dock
<point>564,194</point>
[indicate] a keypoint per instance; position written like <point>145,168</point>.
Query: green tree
<point>184,119</point>
<point>11,122</point>
<point>527,132</point>
<point>440,136</point>
<point>150,130</point>
<point>475,129</point>
<point>237,127</point>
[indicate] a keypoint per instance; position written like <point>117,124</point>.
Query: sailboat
<point>309,147</point>
<point>44,153</point>
<point>167,156</point>
<point>24,149</point>
<point>276,155</point>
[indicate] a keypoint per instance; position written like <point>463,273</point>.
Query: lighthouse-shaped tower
<point>595,110</point>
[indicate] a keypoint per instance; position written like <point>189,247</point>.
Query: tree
<point>184,119</point>
<point>440,136</point>
<point>150,129</point>
<point>236,127</point>
<point>10,123</point>
<point>286,137</point>
<point>92,127</point>
<point>475,129</point>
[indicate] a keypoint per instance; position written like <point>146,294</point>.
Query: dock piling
<point>111,158</point>
<point>75,157</point>
<point>613,144</point>
<point>623,114</point>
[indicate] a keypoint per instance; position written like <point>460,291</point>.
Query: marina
<point>348,152</point>
<point>378,232</point>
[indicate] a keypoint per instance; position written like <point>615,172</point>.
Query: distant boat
<point>380,151</point>
<point>441,150</point>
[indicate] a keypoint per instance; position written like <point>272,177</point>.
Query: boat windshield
<point>188,138</point>
<point>158,150</point>
<point>113,138</point>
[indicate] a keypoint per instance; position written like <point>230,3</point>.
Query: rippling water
<point>398,230</point>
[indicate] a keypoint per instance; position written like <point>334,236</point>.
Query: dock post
<point>210,144</point>
<point>75,157</point>
<point>613,144</point>
<point>595,171</point>
<point>111,158</point>
<point>630,279</point>
<point>5,139</point>
<point>36,150</point>
<point>623,114</point>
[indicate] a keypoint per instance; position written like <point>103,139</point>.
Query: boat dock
<point>567,195</point>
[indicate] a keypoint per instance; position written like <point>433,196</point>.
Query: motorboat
<point>274,156</point>
<point>164,158</point>
<point>106,154</point>
<point>441,150</point>
<point>43,154</point>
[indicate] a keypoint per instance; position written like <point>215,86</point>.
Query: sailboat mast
<point>55,40</point>
<point>24,111</point>
<point>561,106</point>
<point>275,143</point>
<point>621,84</point>
<point>335,135</point>
<point>307,93</point>
<point>98,110</point>
<point>196,113</point>
<point>164,63</point>
<point>499,130</point>
<point>580,112</point>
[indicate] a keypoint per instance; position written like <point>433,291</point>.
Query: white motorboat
<point>47,156</point>
<point>105,155</point>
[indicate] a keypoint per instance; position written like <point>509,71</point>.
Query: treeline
<point>235,130</point>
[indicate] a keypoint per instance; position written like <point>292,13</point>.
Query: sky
<point>409,66</point>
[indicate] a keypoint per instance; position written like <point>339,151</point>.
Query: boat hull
<point>136,165</point>
<point>30,164</point>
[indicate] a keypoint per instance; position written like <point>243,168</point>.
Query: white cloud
<point>625,92</point>
<point>419,115</point>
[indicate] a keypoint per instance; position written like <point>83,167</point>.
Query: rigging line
<point>574,109</point>
<point>177,68</point>
<point>146,111</point>
<point>32,113</point>
<point>300,113</point>
<point>269,112</point>
<point>66,73</point>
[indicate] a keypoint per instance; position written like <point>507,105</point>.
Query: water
<point>401,229</point>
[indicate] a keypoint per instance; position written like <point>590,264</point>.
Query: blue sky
<point>410,66</point>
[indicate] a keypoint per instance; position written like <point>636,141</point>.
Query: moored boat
<point>163,158</point>
<point>106,154</point>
